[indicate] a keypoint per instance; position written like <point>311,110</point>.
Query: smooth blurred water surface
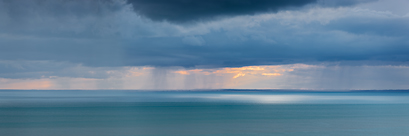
<point>202,113</point>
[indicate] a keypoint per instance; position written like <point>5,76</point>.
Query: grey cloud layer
<point>57,18</point>
<point>111,34</point>
<point>50,69</point>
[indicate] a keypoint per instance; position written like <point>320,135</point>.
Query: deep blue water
<point>204,113</point>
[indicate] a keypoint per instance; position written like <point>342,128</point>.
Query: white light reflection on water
<point>296,98</point>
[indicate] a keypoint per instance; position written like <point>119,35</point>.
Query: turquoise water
<point>206,113</point>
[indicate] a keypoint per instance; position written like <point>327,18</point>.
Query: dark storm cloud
<point>199,10</point>
<point>188,10</point>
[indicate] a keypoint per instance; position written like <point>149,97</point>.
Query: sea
<point>204,113</point>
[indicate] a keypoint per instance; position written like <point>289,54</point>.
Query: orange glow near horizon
<point>276,70</point>
<point>239,75</point>
<point>271,74</point>
<point>182,72</point>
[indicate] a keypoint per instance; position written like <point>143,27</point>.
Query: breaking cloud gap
<point>294,76</point>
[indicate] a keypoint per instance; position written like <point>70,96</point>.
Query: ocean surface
<point>203,113</point>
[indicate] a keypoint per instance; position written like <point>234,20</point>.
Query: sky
<point>204,44</point>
